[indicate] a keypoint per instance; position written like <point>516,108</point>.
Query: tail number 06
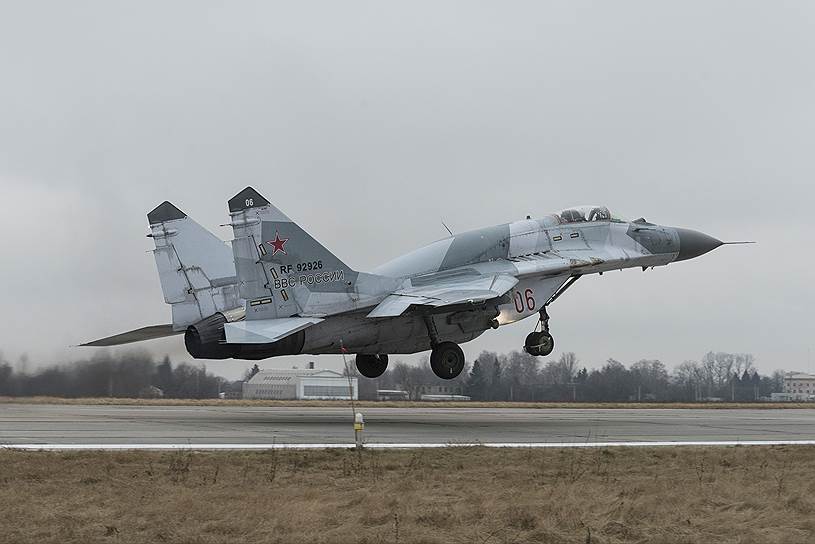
<point>526,299</point>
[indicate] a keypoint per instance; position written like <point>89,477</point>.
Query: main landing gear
<point>446,358</point>
<point>539,342</point>
<point>371,366</point>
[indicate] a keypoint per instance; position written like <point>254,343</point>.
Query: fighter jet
<point>278,291</point>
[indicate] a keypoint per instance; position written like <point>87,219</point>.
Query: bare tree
<point>743,362</point>
<point>521,376</point>
<point>651,378</point>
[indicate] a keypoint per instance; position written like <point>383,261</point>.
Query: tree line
<point>130,374</point>
<point>513,376</point>
<point>517,376</point>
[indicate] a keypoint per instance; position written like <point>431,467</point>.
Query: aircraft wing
<point>144,333</point>
<point>263,331</point>
<point>465,290</point>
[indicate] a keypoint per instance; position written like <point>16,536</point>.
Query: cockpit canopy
<point>585,214</point>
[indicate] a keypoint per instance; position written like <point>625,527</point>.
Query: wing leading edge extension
<point>465,291</point>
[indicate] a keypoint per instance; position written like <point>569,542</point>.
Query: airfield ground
<point>656,495</point>
<point>552,494</point>
<point>104,401</point>
<point>235,426</point>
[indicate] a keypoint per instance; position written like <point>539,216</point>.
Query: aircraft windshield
<point>585,214</point>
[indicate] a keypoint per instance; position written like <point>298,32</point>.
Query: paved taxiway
<point>30,424</point>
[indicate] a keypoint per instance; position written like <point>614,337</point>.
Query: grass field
<point>402,404</point>
<point>480,495</point>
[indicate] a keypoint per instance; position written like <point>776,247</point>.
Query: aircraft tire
<point>447,360</point>
<point>539,344</point>
<point>371,366</point>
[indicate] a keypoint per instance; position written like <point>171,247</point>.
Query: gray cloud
<point>369,122</point>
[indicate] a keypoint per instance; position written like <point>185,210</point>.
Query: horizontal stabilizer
<point>145,333</point>
<point>468,291</point>
<point>264,331</point>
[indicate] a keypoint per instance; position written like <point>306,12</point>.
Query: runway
<point>31,426</point>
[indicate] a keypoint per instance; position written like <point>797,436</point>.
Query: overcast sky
<point>370,122</point>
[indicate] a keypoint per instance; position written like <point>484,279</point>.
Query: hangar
<point>300,384</point>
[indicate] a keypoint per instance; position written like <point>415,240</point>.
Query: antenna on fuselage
<point>446,227</point>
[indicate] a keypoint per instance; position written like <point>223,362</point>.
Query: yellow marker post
<point>359,426</point>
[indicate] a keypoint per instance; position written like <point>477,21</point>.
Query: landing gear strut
<point>539,342</point>
<point>447,358</point>
<point>371,366</point>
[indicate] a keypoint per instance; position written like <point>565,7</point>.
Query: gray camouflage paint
<point>530,249</point>
<point>281,271</point>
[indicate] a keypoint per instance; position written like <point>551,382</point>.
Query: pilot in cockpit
<point>572,216</point>
<point>582,214</point>
<point>600,213</point>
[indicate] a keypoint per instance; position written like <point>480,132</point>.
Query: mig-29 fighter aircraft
<point>278,291</point>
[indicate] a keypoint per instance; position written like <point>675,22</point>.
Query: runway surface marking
<point>197,447</point>
<point>231,427</point>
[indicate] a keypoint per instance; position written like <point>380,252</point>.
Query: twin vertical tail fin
<point>276,275</point>
<point>195,267</point>
<point>282,270</point>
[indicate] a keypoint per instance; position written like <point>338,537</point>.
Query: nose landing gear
<point>540,343</point>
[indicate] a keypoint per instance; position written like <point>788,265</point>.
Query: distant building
<point>300,384</point>
<point>428,391</point>
<point>443,398</point>
<point>392,394</point>
<point>439,390</point>
<point>799,386</point>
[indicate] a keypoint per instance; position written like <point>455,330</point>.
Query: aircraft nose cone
<point>693,243</point>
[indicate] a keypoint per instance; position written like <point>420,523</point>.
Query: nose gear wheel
<point>540,343</point>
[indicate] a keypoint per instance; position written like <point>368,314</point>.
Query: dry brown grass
<point>480,495</point>
<point>400,404</point>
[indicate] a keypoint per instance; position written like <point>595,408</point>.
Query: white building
<point>301,384</point>
<point>799,386</point>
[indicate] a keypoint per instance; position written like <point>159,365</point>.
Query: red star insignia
<point>278,244</point>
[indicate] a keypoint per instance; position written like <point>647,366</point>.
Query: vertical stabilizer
<point>282,270</point>
<point>195,267</point>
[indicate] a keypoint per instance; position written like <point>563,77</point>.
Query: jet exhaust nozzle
<point>207,340</point>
